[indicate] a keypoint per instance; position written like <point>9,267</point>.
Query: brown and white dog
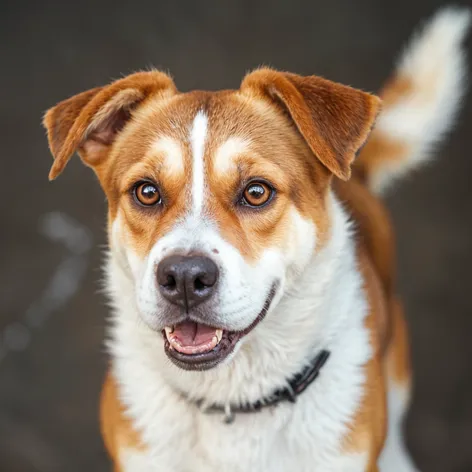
<point>247,248</point>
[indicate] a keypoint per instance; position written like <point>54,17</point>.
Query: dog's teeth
<point>219,335</point>
<point>169,329</point>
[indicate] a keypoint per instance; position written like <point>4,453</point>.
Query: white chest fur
<point>306,436</point>
<point>279,441</point>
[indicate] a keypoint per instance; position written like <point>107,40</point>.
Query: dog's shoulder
<point>372,227</point>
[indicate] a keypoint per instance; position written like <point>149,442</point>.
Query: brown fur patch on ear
<point>90,121</point>
<point>334,119</point>
<point>59,120</point>
<point>107,123</point>
<point>123,100</point>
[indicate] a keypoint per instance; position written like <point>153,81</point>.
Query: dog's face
<point>217,200</point>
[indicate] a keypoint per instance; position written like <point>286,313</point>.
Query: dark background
<point>52,317</point>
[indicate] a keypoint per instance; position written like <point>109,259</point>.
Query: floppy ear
<point>89,122</point>
<point>334,119</point>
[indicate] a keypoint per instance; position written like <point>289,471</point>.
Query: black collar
<point>296,386</point>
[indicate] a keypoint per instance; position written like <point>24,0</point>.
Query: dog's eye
<point>147,194</point>
<point>256,194</point>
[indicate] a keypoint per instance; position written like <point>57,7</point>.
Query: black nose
<point>187,280</point>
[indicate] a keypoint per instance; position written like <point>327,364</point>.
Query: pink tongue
<point>189,333</point>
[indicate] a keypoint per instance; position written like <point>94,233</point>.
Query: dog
<point>255,321</point>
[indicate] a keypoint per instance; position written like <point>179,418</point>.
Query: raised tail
<point>420,102</point>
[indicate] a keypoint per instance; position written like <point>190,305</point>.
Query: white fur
<point>171,150</point>
<point>227,153</point>
<point>197,141</point>
<point>134,461</point>
<point>322,306</point>
<point>395,457</point>
<point>434,62</point>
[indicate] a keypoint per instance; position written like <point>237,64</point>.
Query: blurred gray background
<point>52,315</point>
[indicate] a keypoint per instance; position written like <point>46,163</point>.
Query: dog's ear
<point>89,122</point>
<point>334,119</point>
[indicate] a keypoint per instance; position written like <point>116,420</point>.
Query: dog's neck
<point>324,309</point>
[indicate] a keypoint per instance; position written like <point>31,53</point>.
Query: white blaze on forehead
<point>197,141</point>
<point>228,151</point>
<point>172,152</point>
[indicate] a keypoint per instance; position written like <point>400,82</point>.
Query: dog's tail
<point>420,102</point>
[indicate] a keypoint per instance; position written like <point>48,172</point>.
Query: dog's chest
<point>276,441</point>
<point>281,439</point>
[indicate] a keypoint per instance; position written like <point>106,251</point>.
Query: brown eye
<point>147,194</point>
<point>257,194</point>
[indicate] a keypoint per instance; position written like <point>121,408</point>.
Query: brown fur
<point>334,119</point>
<point>68,123</point>
<point>376,256</point>
<point>117,429</point>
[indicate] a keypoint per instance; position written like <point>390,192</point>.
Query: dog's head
<point>217,200</point>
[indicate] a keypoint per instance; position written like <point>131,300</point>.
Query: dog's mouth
<point>195,346</point>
